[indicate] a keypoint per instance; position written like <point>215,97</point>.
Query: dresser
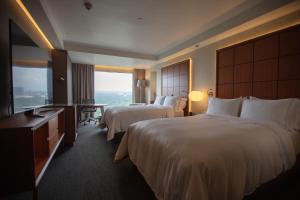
<point>27,145</point>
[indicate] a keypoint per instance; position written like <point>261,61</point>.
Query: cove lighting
<point>22,6</point>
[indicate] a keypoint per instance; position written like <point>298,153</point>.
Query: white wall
<point>204,59</point>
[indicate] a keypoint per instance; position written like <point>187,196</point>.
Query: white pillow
<point>181,104</point>
<point>159,100</point>
<point>171,101</point>
<point>218,106</point>
<point>285,112</point>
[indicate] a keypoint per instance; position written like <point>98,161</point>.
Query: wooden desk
<point>27,145</point>
<point>84,106</point>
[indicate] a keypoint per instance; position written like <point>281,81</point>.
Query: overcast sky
<point>110,81</point>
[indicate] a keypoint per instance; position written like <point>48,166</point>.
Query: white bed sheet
<point>117,119</point>
<point>207,157</point>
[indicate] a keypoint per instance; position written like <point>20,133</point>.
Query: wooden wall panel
<point>289,89</point>
<point>289,67</point>
<point>175,80</point>
<point>266,48</point>
<point>244,54</point>
<point>243,73</point>
<point>265,90</point>
<point>290,42</point>
<point>226,75</point>
<point>225,58</point>
<point>265,67</point>
<point>225,91</point>
<point>242,90</point>
<point>184,80</point>
<point>266,70</point>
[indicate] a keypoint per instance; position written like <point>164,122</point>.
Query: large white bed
<point>117,119</point>
<point>209,156</point>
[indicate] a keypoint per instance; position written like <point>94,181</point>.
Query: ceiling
<point>139,33</point>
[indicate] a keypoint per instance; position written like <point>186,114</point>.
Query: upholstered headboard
<point>175,81</point>
<point>266,67</point>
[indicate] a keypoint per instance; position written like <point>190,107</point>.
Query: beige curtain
<point>83,82</point>
<point>139,93</point>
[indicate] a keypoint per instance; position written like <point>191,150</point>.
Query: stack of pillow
<point>178,103</point>
<point>285,112</point>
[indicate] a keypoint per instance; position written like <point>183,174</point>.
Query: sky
<point>111,81</point>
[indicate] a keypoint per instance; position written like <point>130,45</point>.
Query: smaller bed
<point>117,119</point>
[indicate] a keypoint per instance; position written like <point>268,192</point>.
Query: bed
<point>175,86</point>
<point>117,119</point>
<point>208,156</point>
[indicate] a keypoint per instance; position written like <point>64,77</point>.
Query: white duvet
<point>117,119</point>
<point>207,157</point>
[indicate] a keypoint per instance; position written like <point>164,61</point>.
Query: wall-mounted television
<point>31,72</point>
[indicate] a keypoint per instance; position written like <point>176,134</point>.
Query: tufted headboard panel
<point>266,67</point>
<point>175,81</point>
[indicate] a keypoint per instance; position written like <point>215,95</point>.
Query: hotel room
<point>149,99</point>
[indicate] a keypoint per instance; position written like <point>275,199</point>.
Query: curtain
<point>139,92</point>
<point>83,82</point>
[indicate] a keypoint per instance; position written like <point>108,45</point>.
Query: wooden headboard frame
<point>175,81</point>
<point>266,67</point>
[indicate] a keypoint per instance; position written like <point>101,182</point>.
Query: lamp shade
<point>196,96</point>
<point>141,83</point>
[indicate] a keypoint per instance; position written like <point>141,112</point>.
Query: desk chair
<point>88,112</point>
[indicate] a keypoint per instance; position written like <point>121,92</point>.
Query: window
<point>30,87</point>
<point>112,88</point>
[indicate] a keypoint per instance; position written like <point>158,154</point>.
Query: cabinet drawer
<point>52,126</point>
<point>52,142</point>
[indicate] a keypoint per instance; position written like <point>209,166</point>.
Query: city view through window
<point>29,87</point>
<point>114,89</point>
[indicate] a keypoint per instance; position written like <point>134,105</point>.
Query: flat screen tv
<point>31,72</point>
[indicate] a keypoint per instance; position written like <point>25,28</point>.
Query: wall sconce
<point>210,93</point>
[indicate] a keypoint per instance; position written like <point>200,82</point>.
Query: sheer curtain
<point>83,82</point>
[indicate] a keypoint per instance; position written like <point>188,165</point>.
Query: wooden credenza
<point>27,145</point>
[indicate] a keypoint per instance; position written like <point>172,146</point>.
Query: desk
<point>83,106</point>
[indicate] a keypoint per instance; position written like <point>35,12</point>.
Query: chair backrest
<point>88,101</point>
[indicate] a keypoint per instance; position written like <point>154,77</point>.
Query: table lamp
<point>195,96</point>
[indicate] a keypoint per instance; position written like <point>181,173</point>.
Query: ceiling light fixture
<point>88,5</point>
<point>20,3</point>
